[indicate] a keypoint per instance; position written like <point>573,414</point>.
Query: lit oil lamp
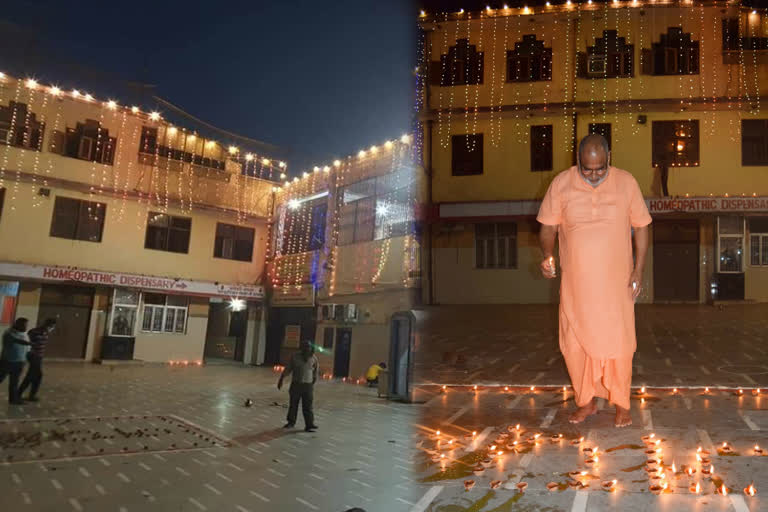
<point>726,448</point>
<point>469,484</point>
<point>495,484</point>
<point>577,441</point>
<point>722,490</point>
<point>758,450</point>
<point>474,388</point>
<point>651,465</point>
<point>574,474</point>
<point>591,462</point>
<point>444,389</point>
<point>708,471</point>
<point>696,489</point>
<point>750,491</point>
<point>655,488</point>
<point>506,388</point>
<point>609,485</point>
<point>588,450</point>
<point>674,391</point>
<point>756,391</point>
<point>690,471</point>
<point>479,470</point>
<point>565,390</point>
<point>522,486</point>
<point>552,486</point>
<point>706,390</point>
<point>673,468</point>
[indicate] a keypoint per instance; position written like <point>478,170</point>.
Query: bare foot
<point>583,411</point>
<point>623,419</point>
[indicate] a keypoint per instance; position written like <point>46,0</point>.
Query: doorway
<point>341,352</point>
<point>400,356</point>
<point>71,307</point>
<point>676,260</point>
<point>225,336</point>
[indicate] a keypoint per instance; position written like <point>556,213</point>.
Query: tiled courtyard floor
<point>677,345</point>
<point>138,438</point>
<point>681,422</point>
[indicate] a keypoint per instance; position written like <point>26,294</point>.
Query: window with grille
<point>496,245</point>
<point>675,143</point>
<point>233,242</point>
<point>758,241</point>
<point>164,313</point>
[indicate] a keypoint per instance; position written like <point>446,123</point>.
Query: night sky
<point>319,79</point>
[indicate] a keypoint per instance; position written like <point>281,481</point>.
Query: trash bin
<point>383,383</point>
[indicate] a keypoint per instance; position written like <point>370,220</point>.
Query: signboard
<point>662,205</point>
<point>707,204</point>
<point>287,296</point>
<point>292,336</point>
<point>54,273</point>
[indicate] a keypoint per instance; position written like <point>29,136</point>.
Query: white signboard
<point>163,284</point>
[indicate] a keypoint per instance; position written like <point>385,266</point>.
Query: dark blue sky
<point>322,79</point>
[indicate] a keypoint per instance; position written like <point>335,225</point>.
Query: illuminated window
<point>675,143</point>
<point>730,244</point>
<point>164,313</point>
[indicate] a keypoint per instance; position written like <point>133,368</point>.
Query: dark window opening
<point>20,128</point>
<point>168,233</point>
<point>234,242</point>
<point>754,142</point>
<point>610,57</point>
<point>311,213</point>
<point>541,148</point>
<point>90,141</point>
<point>467,154</point>
<point>675,54</point>
<point>76,219</point>
<point>462,65</point>
<point>530,61</point>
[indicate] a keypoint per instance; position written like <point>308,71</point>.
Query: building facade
<point>344,270</point>
<point>146,240</point>
<point>677,88</point>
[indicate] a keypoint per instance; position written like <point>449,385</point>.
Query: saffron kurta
<point>597,312</point>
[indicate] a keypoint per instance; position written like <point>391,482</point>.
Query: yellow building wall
<point>506,167</point>
<point>25,227</point>
<point>568,33</point>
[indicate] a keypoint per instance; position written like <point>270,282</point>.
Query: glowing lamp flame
<point>750,490</point>
<point>698,488</point>
<point>724,490</point>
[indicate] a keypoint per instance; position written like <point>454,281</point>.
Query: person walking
<point>595,209</point>
<point>38,337</point>
<point>14,353</point>
<point>303,370</point>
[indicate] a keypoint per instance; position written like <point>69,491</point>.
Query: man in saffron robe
<point>594,208</point>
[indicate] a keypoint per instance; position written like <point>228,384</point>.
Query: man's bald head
<point>594,158</point>
<point>595,144</point>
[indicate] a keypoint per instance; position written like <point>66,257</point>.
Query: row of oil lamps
<point>657,471</point>
<point>643,390</point>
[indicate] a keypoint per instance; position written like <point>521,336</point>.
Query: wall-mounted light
<point>237,304</point>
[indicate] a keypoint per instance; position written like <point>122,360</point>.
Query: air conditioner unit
<point>350,313</point>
